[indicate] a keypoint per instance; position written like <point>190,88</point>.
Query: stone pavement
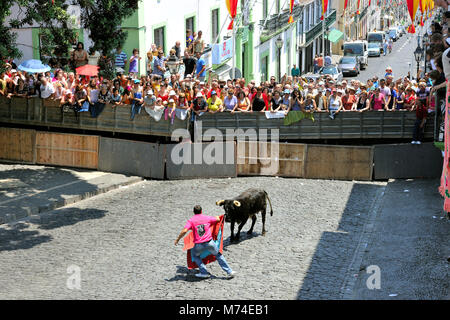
<point>26,190</point>
<point>409,245</point>
<point>119,244</point>
<point>122,243</point>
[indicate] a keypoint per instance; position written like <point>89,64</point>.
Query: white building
<point>258,26</point>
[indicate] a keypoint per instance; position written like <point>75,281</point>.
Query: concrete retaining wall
<point>402,161</point>
<point>132,157</point>
<point>201,160</point>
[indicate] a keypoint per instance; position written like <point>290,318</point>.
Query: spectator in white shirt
<point>47,89</point>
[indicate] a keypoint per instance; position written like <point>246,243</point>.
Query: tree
<point>55,33</point>
<point>103,19</point>
<point>8,48</point>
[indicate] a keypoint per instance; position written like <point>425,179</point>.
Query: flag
<point>232,10</point>
<point>206,256</point>
<point>412,9</point>
<point>324,8</point>
<point>291,8</point>
<point>345,4</point>
<point>357,8</point>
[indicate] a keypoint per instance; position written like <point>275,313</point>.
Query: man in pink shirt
<point>200,225</point>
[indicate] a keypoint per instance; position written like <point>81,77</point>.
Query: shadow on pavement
<point>184,274</point>
<point>18,237</point>
<point>23,191</point>
<point>334,252</point>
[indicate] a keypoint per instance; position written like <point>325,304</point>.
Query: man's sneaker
<point>231,274</point>
<point>418,142</point>
<point>413,142</point>
<point>202,275</point>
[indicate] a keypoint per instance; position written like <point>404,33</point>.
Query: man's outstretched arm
<point>181,235</point>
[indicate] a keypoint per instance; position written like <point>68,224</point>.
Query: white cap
<point>171,101</point>
<point>199,95</point>
<point>149,92</point>
<point>172,93</point>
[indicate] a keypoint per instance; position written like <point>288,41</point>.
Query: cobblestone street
<point>122,241</point>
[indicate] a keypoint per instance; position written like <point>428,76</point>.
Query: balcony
<point>317,29</point>
<point>278,23</point>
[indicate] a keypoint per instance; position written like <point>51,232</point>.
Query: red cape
<point>189,244</point>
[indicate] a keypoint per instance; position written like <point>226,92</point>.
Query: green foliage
<point>101,17</point>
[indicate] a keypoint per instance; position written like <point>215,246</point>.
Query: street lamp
<point>173,66</point>
<point>279,44</point>
<point>418,56</point>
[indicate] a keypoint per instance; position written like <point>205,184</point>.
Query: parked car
<point>393,33</point>
<point>357,49</point>
<point>333,71</point>
<point>374,49</point>
<point>349,65</point>
<point>401,30</point>
<point>311,77</point>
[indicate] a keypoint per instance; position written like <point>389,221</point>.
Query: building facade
<point>259,26</point>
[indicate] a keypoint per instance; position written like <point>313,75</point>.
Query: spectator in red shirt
<point>421,119</point>
<point>349,100</point>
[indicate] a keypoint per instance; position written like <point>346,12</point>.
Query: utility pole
<point>233,64</point>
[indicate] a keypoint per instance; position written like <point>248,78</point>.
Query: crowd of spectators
<point>158,90</point>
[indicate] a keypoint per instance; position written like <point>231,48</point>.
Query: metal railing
<point>48,113</point>
<point>346,125</point>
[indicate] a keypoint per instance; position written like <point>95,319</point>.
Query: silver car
<point>374,49</point>
<point>349,65</point>
<point>333,71</point>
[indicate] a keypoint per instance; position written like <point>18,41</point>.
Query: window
<point>265,9</point>
<point>264,68</point>
<point>190,24</point>
<point>215,25</point>
<point>307,22</point>
<point>158,37</point>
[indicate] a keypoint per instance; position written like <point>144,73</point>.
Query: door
<point>243,64</point>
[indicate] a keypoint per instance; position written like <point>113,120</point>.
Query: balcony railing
<point>317,29</point>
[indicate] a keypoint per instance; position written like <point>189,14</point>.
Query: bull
<point>244,206</point>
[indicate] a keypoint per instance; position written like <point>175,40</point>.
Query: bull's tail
<point>267,196</point>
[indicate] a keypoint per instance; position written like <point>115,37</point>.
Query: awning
<point>334,35</point>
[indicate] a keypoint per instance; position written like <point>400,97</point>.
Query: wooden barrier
<point>339,162</point>
<point>256,158</point>
<point>17,145</point>
<point>69,150</point>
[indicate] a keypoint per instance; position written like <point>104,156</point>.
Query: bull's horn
<point>237,203</point>
<point>220,202</point>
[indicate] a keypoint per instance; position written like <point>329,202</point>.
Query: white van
<point>359,49</point>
